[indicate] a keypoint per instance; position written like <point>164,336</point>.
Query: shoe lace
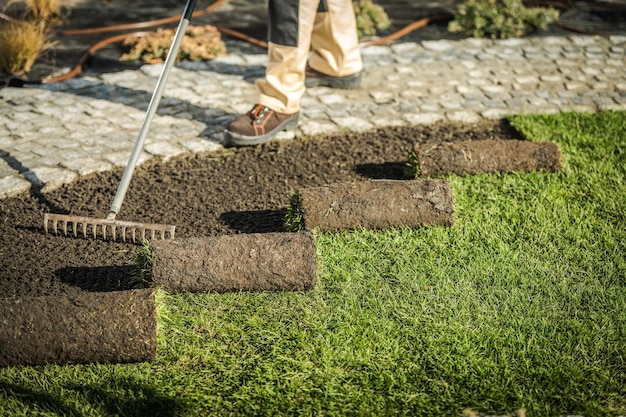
<point>259,112</point>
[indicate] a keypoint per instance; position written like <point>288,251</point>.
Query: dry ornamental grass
<point>23,40</point>
<point>20,46</point>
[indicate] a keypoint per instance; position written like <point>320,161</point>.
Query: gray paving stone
<point>317,126</point>
<point>86,165</point>
<point>439,45</point>
<point>617,39</point>
<point>495,113</point>
<point>13,185</point>
<point>201,145</point>
<point>50,178</point>
<point>383,97</point>
<point>5,169</point>
<point>464,117</point>
<point>164,149</point>
<point>333,98</point>
<point>376,51</point>
<point>584,40</point>
<point>423,118</point>
<point>356,124</point>
<point>431,107</point>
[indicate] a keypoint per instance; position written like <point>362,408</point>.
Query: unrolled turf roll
<point>486,156</point>
<point>377,204</point>
<point>108,327</point>
<point>250,262</point>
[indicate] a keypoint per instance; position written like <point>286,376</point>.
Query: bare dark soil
<point>243,190</point>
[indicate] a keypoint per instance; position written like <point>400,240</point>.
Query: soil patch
<point>235,191</point>
<point>263,262</point>
<point>106,327</point>
<point>487,156</point>
<point>380,204</point>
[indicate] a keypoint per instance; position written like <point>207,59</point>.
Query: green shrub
<point>370,18</point>
<point>500,19</point>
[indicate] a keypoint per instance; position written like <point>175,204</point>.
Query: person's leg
<point>279,92</point>
<point>290,25</point>
<point>335,49</point>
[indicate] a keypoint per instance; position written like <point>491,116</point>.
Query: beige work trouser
<point>324,34</point>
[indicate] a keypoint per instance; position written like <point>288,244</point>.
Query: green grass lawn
<point>520,305</point>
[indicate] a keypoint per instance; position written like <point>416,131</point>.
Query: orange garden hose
<point>117,38</point>
<point>77,69</point>
<point>85,56</point>
<point>243,37</point>
<point>113,39</point>
<point>418,24</point>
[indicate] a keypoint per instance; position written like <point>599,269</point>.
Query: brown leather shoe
<point>259,125</point>
<point>318,79</point>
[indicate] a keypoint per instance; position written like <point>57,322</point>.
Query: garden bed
<point>240,191</point>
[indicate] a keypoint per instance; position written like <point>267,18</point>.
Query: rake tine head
<point>118,229</point>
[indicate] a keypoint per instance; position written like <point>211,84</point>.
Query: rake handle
<point>152,108</point>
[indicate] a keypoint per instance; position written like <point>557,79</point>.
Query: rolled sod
<point>248,262</point>
<point>378,204</point>
<point>110,327</point>
<point>487,156</point>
